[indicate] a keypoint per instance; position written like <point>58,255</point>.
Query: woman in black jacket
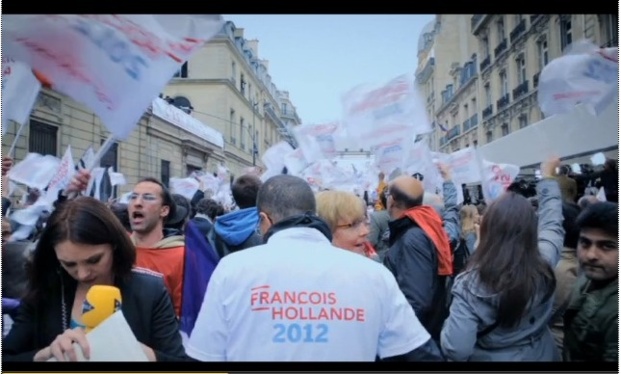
<point>83,245</point>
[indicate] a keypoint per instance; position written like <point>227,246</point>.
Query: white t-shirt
<point>298,298</point>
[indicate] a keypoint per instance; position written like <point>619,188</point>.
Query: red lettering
<point>360,315</point>
<point>253,298</point>
<point>300,295</point>
<point>323,314</point>
<point>276,298</point>
<point>277,313</point>
<point>291,313</point>
<point>317,297</point>
<point>264,297</point>
<point>332,298</point>
<point>290,297</point>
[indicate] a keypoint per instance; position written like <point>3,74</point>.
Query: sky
<point>317,58</point>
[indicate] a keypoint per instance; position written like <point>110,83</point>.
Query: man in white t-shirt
<point>298,298</point>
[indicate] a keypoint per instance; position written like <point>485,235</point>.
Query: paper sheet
<point>112,340</point>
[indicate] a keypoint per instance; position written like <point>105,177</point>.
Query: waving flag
<point>200,262</point>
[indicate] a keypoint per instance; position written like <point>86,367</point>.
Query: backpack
<point>461,253</point>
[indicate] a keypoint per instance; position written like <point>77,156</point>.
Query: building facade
<point>491,89</point>
<point>443,43</point>
<point>159,146</point>
<point>226,85</point>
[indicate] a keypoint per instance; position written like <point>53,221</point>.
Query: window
<point>284,108</point>
<point>182,72</point>
<point>43,138</point>
<point>231,126</point>
<point>488,95</point>
<point>475,143</point>
<point>466,112</point>
<point>242,84</point>
<point>542,48</point>
<point>505,129</point>
<point>504,84</point>
<point>521,69</point>
<point>518,19</point>
<point>189,169</point>
<point>610,30</point>
<point>500,26</point>
<point>523,121</point>
<point>474,106</point>
<point>233,69</point>
<point>108,160</point>
<point>490,136</point>
<point>566,36</point>
<point>242,137</point>
<point>165,172</point>
<point>485,42</point>
<point>249,92</point>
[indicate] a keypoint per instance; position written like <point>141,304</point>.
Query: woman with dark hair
<point>502,302</point>
<point>120,211</point>
<point>83,245</point>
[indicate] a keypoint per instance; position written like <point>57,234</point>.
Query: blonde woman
<point>346,215</point>
<point>469,216</point>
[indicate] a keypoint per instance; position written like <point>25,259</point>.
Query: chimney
<point>254,46</point>
<point>238,33</point>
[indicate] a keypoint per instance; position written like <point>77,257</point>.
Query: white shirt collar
<point>305,234</point>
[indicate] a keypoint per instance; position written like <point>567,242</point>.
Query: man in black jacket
<point>420,256</point>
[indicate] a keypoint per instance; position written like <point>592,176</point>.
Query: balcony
<point>453,133</point>
<point>465,126</point>
<point>518,31</point>
<point>478,21</point>
<point>502,102</point>
<point>487,61</point>
<point>536,80</point>
<point>534,18</point>
<point>520,90</point>
<point>447,94</point>
<point>467,73</point>
<point>614,42</point>
<point>290,114</point>
<point>423,75</point>
<point>474,120</point>
<point>487,112</point>
<point>282,128</point>
<point>502,46</point>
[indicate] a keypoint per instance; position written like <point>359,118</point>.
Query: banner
<point>20,89</point>
<point>113,64</point>
<point>587,75</point>
<point>377,115</point>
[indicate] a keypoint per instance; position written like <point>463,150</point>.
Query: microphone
<point>101,302</point>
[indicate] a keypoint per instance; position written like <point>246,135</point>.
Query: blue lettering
<point>296,333</point>
<point>118,50</point>
<point>280,333</point>
<point>597,70</point>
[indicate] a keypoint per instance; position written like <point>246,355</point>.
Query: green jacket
<point>592,323</point>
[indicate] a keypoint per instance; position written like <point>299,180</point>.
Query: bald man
<point>420,254</point>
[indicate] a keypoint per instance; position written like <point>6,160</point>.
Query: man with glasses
<point>420,255</point>
<point>299,298</point>
<point>158,249</point>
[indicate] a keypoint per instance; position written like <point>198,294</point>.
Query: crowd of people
<point>304,276</point>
